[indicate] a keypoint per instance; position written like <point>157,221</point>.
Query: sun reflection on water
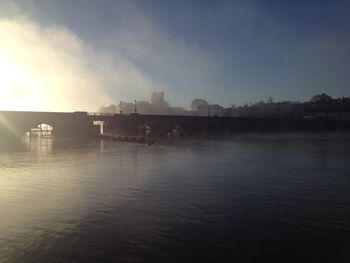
<point>41,145</point>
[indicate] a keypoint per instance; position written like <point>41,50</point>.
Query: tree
<point>109,109</point>
<point>196,103</point>
<point>127,107</point>
<point>321,98</point>
<point>259,103</point>
<point>144,107</point>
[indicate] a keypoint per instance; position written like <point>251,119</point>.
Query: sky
<point>79,55</point>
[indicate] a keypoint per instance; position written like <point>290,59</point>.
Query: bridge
<point>162,124</point>
<point>15,124</point>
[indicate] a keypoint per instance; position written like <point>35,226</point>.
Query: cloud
<point>183,69</point>
<point>49,68</point>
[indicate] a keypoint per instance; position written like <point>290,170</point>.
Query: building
<point>157,98</point>
<point>276,110</point>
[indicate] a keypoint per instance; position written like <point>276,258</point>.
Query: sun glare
<point>48,69</point>
<point>20,89</point>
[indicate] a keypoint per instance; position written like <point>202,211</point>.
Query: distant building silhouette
<point>319,106</point>
<point>157,99</point>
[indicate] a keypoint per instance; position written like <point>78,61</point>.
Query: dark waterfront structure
<point>198,125</point>
<point>15,124</point>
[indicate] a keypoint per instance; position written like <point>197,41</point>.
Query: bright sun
<point>20,88</point>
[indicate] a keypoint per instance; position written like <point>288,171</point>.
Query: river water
<point>250,198</point>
